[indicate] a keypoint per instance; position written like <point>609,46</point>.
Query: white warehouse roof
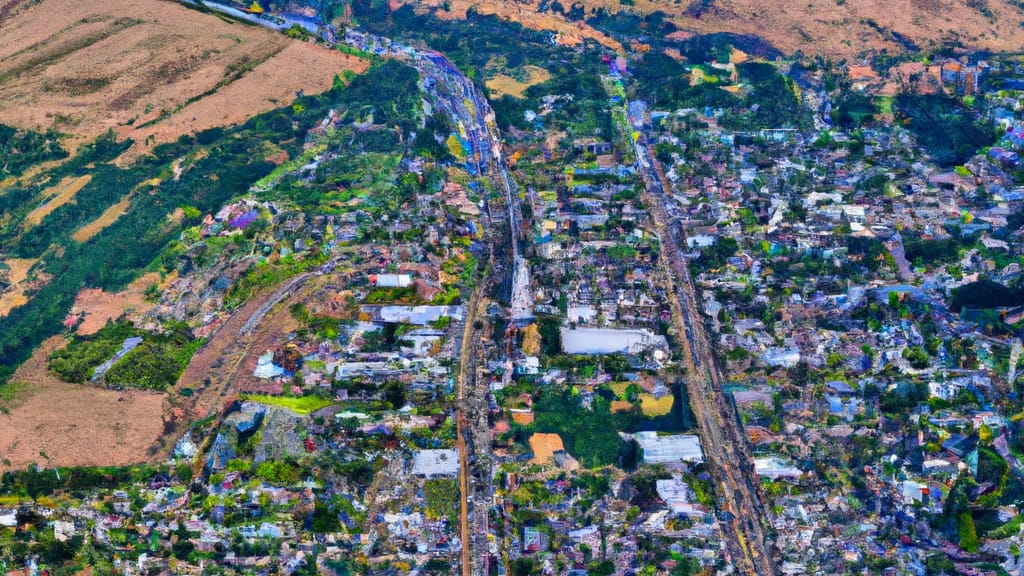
<point>669,449</point>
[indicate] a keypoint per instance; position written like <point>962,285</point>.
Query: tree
<point>325,520</point>
<point>968,533</point>
<point>686,567</point>
<point>633,393</point>
<point>182,546</point>
<point>985,434</point>
<point>917,357</point>
<point>524,566</point>
<point>394,394</point>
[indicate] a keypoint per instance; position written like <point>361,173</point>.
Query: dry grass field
<point>109,216</point>
<point>151,70</point>
<point>524,12</point>
<point>17,277</point>
<point>837,29</point>
<point>653,407</point>
<point>53,423</point>
<point>56,197</point>
<point>271,84</point>
<point>502,84</point>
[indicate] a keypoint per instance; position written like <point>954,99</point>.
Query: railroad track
<point>744,527</point>
<point>468,355</point>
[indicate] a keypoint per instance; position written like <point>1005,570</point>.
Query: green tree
<point>967,532</point>
<point>394,394</point>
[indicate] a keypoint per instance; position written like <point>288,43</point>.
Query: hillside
<point>151,70</point>
<point>835,28</point>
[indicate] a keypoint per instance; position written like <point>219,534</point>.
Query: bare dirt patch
<point>149,69</point>
<point>53,423</point>
<point>544,447</point>
<point>56,197</point>
<point>97,306</point>
<point>503,84</point>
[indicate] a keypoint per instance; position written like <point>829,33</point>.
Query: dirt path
<point>215,368</point>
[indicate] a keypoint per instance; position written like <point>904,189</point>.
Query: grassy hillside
<point>838,28</point>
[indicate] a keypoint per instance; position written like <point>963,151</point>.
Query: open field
<point>653,407</point>
<point>151,70</point>
<point>503,84</point>
<point>838,29</point>
<point>53,423</point>
<point>271,84</point>
<point>56,197</point>
<point>299,404</point>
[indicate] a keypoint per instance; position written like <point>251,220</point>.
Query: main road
<point>459,96</point>
<point>455,93</point>
<point>743,512</point>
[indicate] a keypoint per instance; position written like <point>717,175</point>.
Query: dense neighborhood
<point>469,333</point>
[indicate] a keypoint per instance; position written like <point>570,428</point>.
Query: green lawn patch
<point>302,404</point>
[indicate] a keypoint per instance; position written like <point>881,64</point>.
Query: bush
<point>442,496</point>
<point>76,362</point>
<point>155,364</point>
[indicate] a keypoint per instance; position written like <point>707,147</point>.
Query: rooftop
<point>669,449</point>
<point>433,463</point>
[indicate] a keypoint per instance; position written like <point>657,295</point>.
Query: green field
<point>302,405</point>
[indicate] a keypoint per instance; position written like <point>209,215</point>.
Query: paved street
<point>722,437</point>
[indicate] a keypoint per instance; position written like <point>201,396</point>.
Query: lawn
<point>620,389</point>
<point>885,105</point>
<point>502,84</point>
<point>653,407</point>
<point>301,405</point>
